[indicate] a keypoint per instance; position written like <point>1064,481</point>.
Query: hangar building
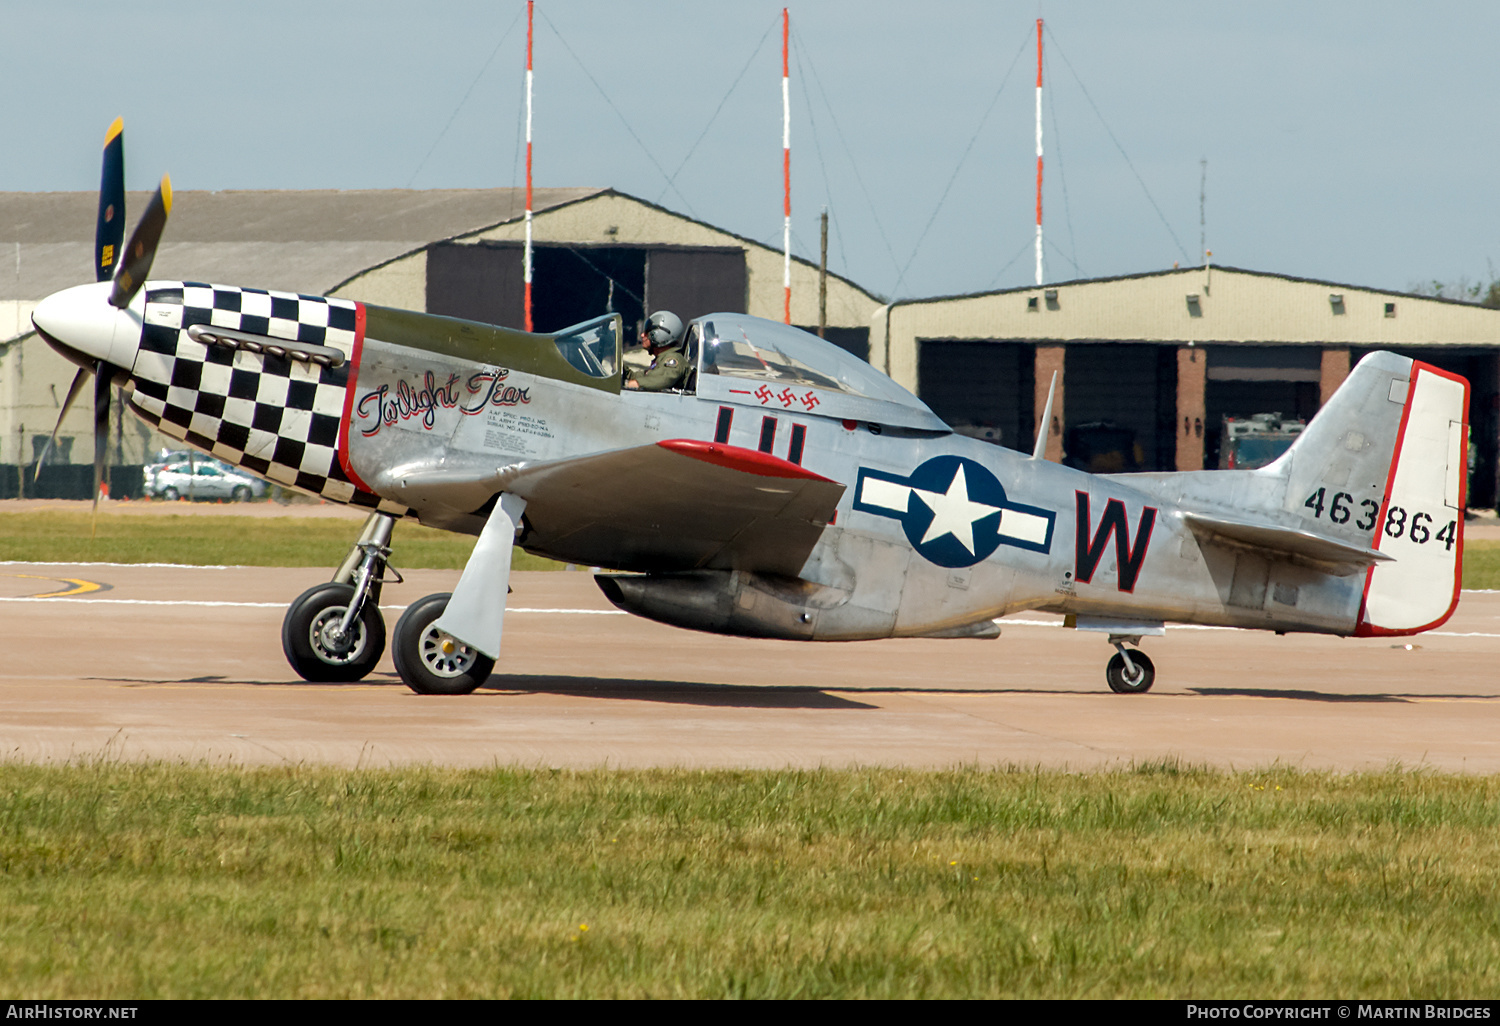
<point>1163,356</point>
<point>1167,355</point>
<point>455,252</point>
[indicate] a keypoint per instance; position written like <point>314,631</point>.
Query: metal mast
<point>1039,151</point>
<point>786,170</point>
<point>530,4</point>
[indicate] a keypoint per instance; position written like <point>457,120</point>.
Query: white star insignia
<point>953,513</point>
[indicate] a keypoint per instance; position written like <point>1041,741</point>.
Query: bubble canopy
<point>755,362</point>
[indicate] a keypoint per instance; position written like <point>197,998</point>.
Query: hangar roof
<point>1190,305</point>
<point>1271,276</point>
<point>299,240</point>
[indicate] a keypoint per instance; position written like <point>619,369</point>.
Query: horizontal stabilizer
<point>1328,554</point>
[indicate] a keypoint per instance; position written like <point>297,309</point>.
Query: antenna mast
<point>786,170</point>
<point>1039,151</point>
<point>529,6</point>
<point>1203,211</point>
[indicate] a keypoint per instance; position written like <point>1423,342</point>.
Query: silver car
<point>203,478</point>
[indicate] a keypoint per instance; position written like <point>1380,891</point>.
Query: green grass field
<point>160,881</point>
<point>156,881</point>
<point>1482,564</point>
<point>47,536</point>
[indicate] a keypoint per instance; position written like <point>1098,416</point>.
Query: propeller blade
<point>109,234</point>
<point>101,429</point>
<point>74,390</point>
<point>141,249</point>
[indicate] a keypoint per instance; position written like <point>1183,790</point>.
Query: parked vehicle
<point>1256,441</point>
<point>201,477</point>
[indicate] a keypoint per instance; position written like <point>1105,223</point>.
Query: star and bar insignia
<point>954,511</point>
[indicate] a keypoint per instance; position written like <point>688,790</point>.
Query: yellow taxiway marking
<point>301,685</point>
<point>79,587</point>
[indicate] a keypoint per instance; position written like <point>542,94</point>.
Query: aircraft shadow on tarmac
<point>803,697</point>
<point>756,696</point>
<point>1306,695</point>
<point>676,692</point>
<point>500,685</point>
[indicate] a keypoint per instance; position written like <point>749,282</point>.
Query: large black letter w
<point>1089,552</point>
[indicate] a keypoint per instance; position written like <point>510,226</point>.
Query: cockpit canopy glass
<point>593,346</point>
<point>778,353</point>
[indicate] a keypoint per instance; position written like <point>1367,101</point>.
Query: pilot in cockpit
<point>663,337</point>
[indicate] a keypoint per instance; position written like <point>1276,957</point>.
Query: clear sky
<point>1352,141</point>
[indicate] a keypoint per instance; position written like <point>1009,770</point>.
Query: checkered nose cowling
<point>272,415</point>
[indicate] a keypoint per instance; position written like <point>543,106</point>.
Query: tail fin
<point>1388,456</point>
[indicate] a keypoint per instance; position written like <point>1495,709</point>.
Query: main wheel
<point>310,638</point>
<point>433,662</point>
<point>169,494</point>
<point>242,493</point>
<point>1122,681</point>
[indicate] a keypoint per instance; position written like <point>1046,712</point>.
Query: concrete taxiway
<point>185,663</point>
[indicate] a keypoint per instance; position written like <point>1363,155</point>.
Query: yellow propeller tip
<point>115,128</point>
<point>166,192</point>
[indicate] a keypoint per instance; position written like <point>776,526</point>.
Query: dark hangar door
<point>693,281</point>
<point>571,284</point>
<point>483,282</point>
<point>486,282</point>
<point>1120,406</point>
<point>982,389</point>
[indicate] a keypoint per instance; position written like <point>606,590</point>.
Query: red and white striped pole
<point>1039,151</point>
<point>786,170</point>
<point>529,6</point>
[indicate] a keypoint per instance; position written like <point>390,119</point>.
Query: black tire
<point>170,494</point>
<point>242,493</point>
<point>430,661</point>
<point>1120,681</point>
<point>313,653</point>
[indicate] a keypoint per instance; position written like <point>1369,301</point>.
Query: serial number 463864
<point>1398,522</point>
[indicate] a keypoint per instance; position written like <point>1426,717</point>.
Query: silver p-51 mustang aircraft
<point>786,490</point>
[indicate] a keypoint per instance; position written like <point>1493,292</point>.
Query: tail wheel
<point>314,646</point>
<point>1122,681</point>
<point>433,662</point>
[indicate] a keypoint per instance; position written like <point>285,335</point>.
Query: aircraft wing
<point>1327,554</point>
<point>680,504</point>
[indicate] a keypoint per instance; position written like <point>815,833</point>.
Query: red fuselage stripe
<point>359,349</point>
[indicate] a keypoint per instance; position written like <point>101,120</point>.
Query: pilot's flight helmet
<point>663,329</point>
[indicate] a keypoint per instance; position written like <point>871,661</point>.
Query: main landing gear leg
<point>448,644</point>
<point>1130,671</point>
<point>335,631</point>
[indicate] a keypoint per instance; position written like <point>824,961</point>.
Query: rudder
<point>1421,519</point>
